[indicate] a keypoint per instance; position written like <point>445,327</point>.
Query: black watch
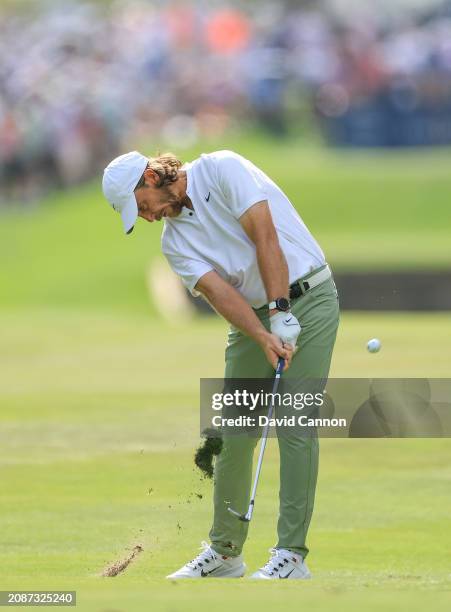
<point>282,304</point>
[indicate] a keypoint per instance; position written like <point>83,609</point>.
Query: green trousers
<point>318,314</point>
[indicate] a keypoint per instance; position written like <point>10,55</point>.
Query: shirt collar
<point>189,179</point>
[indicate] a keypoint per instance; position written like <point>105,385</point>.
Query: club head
<point>241,517</point>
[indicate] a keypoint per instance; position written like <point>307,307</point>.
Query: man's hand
<point>285,326</point>
<point>273,349</point>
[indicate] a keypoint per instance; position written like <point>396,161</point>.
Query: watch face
<point>282,304</point>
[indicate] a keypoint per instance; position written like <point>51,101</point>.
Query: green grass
<point>97,410</point>
<point>99,414</point>
<point>386,210</point>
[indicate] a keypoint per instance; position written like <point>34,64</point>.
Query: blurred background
<point>346,104</point>
<point>83,81</point>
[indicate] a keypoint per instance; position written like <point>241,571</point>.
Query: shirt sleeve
<point>240,184</point>
<point>189,270</point>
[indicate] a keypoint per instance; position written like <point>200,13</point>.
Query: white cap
<point>120,178</point>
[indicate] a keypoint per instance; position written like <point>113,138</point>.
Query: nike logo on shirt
<point>207,197</point>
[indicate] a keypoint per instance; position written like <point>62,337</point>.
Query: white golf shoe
<point>283,564</point>
<point>210,564</point>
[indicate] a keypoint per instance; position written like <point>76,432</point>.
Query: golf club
<point>247,517</point>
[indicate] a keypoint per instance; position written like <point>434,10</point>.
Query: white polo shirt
<point>222,186</point>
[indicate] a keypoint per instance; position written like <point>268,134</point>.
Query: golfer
<point>232,236</point>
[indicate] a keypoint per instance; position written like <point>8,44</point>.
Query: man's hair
<point>166,166</point>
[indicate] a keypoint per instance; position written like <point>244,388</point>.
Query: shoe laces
<point>278,560</point>
<point>205,558</point>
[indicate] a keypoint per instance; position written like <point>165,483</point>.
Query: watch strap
<point>277,304</point>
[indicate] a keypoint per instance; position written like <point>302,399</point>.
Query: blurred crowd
<point>80,81</point>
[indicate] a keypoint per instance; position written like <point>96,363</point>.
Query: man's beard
<point>177,204</point>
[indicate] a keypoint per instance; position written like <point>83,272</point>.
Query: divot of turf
<point>120,566</point>
<point>210,448</point>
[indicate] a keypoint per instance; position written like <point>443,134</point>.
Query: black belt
<point>298,288</point>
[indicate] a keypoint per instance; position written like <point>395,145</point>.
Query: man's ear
<point>151,176</point>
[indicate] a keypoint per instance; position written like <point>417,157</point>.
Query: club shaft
<point>264,438</point>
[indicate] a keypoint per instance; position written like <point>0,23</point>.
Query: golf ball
<point>373,345</point>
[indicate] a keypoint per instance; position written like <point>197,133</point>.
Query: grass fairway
<point>99,404</point>
<point>98,425</point>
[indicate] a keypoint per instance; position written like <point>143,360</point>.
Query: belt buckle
<point>298,289</point>
<point>295,290</point>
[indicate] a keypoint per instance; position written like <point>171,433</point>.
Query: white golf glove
<point>286,327</point>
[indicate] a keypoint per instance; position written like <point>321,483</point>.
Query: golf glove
<point>286,327</point>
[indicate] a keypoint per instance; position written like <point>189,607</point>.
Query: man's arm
<point>259,227</point>
<point>232,306</point>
